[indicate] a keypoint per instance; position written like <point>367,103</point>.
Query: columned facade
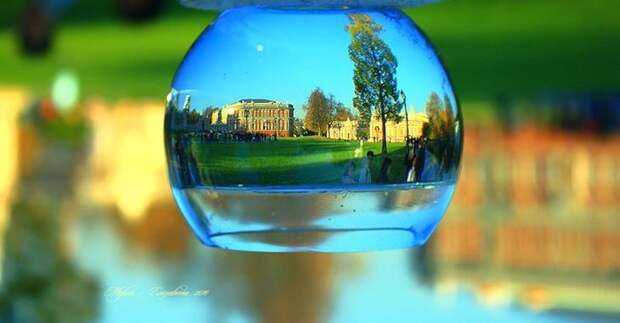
<point>263,116</point>
<point>395,131</point>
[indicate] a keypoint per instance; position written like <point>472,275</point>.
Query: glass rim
<point>306,4</point>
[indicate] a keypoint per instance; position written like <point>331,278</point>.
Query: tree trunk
<point>384,150</point>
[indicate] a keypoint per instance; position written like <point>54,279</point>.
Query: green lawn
<point>290,161</point>
<point>516,49</point>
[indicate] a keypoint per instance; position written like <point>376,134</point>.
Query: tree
<point>374,76</point>
<point>441,131</point>
<point>298,127</point>
<point>343,113</point>
<point>319,112</point>
<point>455,140</point>
<point>139,10</point>
<point>193,117</point>
<point>433,110</point>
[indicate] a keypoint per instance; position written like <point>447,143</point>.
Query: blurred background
<point>89,231</point>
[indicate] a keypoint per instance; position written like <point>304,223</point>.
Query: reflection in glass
<point>340,132</point>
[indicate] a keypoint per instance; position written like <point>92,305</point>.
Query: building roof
<point>256,101</point>
<point>279,105</point>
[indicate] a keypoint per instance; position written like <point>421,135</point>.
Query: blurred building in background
<point>535,219</point>
<point>12,103</point>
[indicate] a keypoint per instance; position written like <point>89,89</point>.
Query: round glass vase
<point>303,129</point>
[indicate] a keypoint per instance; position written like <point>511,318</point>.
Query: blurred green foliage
<point>492,48</point>
<point>8,14</point>
<point>112,58</point>
<point>524,48</point>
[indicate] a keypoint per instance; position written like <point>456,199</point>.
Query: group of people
<point>414,163</point>
<point>186,165</point>
<point>223,137</point>
<point>415,155</point>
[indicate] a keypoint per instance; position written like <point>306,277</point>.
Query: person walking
<point>349,173</point>
<point>365,173</point>
<point>409,160</point>
<point>384,175</point>
<point>420,159</point>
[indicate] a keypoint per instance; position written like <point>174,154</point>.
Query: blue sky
<point>284,55</point>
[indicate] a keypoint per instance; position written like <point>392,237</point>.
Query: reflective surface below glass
<point>91,234</point>
<point>340,132</point>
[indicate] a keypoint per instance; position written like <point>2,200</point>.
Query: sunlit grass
<point>291,160</point>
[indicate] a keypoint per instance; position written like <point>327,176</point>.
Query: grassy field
<point>516,49</point>
<point>290,161</point>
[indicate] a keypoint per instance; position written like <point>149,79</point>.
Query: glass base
<point>349,240</point>
<point>272,219</point>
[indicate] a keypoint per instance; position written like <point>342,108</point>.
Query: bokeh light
<point>65,90</point>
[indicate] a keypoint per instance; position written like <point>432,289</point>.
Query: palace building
<point>395,131</point>
<point>260,116</point>
<point>343,130</point>
<point>251,115</point>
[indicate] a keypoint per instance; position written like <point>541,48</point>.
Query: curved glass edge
<point>322,188</point>
<point>310,4</point>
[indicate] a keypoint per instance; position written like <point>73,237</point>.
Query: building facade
<point>534,215</point>
<point>343,130</point>
<point>256,116</point>
<point>396,131</point>
<point>249,115</point>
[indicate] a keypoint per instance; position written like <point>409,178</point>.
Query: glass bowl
<point>307,129</point>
